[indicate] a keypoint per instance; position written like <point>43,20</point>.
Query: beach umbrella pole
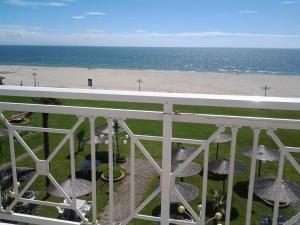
<point>1,153</point>
<point>217,153</point>
<point>259,168</point>
<point>1,198</point>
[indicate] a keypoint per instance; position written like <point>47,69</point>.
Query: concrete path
<point>145,173</point>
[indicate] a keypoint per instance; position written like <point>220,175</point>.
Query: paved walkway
<point>145,172</point>
<point>21,157</point>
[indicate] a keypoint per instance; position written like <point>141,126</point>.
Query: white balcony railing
<point>168,118</point>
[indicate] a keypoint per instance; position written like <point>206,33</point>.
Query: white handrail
<point>281,103</point>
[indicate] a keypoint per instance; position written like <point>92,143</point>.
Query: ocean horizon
<point>213,60</point>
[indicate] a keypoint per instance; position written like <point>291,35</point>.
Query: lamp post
<point>34,78</point>
<point>118,139</point>
<point>140,81</point>
<point>265,88</point>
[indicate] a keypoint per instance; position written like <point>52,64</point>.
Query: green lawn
<point>60,167</point>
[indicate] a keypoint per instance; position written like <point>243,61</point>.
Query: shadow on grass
<point>86,175</point>
<point>216,177</point>
<point>213,176</point>
<point>241,188</point>
<point>101,156</point>
<point>174,214</point>
<point>76,153</point>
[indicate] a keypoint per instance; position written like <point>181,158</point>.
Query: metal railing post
<point>73,169</point>
<point>93,164</point>
<point>166,164</point>
<point>234,132</point>
<point>111,171</point>
<point>1,207</point>
<point>205,181</point>
<point>282,156</point>
<point>13,159</point>
<point>256,133</point>
<point>278,185</point>
<point>132,177</point>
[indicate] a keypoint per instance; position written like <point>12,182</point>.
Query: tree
<point>45,117</point>
<point>216,202</point>
<point>20,207</point>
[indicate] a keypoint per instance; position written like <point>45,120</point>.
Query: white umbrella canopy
<point>264,188</point>
<point>82,187</point>
<point>222,138</point>
<point>221,166</point>
<point>263,153</point>
<point>188,191</point>
<point>191,169</point>
<point>182,153</point>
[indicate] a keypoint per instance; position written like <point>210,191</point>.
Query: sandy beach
<point>165,81</point>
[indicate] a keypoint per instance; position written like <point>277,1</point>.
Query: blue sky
<point>199,23</point>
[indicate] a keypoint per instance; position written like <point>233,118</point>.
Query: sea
<point>220,60</point>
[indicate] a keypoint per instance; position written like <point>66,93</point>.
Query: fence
<point>168,118</point>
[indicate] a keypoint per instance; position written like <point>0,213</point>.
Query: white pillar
<point>166,164</point>
<point>111,171</point>
<point>278,185</point>
<point>204,184</point>
<point>13,159</point>
<point>252,175</point>
<point>93,165</point>
<point>1,208</point>
<point>132,176</point>
<point>73,169</point>
<point>234,132</point>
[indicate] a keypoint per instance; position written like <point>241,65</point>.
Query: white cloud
<point>95,13</point>
<point>95,31</point>
<point>289,2</point>
<point>78,17</point>
<point>248,11</point>
<point>140,31</point>
<point>17,34</point>
<point>237,34</point>
<point>15,26</point>
<point>34,4</point>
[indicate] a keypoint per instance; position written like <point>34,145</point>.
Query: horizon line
<point>130,46</point>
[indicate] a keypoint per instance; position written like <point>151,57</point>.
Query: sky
<point>152,23</point>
